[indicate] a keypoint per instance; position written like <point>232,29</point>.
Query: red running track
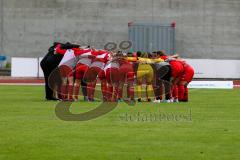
<point>40,81</point>
<point>21,81</point>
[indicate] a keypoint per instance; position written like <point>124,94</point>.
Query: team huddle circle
<point>122,76</point>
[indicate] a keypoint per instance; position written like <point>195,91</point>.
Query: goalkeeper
<point>144,72</point>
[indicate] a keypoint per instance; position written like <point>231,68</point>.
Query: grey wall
<point>205,28</point>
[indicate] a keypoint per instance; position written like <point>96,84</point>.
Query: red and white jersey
<point>77,51</point>
<point>112,64</point>
<point>69,59</point>
<point>101,58</point>
<point>75,56</point>
<point>101,55</point>
<point>80,51</point>
<point>172,61</point>
<point>85,56</point>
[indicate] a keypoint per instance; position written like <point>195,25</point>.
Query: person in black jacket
<point>48,64</point>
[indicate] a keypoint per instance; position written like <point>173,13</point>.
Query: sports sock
<point>64,91</point>
<point>181,91</point>
<point>90,91</point>
<point>70,92</point>
<point>104,90</point>
<point>130,91</point>
<point>119,91</point>
<point>110,92</point>
<point>76,91</point>
<point>161,97</point>
<point>149,90</point>
<point>139,91</point>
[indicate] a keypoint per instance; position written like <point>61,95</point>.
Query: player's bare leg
<point>70,88</point>
<point>175,89</point>
<point>64,88</point>
<point>91,90</point>
<point>76,89</point>
<point>139,89</point>
<point>110,92</point>
<point>104,89</point>
<point>149,90</point>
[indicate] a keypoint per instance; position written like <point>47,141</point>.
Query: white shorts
<point>85,61</point>
<point>112,65</point>
<point>69,59</point>
<point>98,64</point>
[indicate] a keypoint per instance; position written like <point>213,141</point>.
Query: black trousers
<point>49,64</point>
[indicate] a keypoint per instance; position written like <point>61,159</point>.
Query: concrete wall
<point>205,28</point>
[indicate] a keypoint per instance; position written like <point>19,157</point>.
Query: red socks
<point>120,92</point>
<point>110,92</point>
<point>76,91</point>
<point>117,93</point>
<point>64,92</point>
<point>104,90</point>
<point>130,92</point>
<point>90,91</point>
<point>181,91</point>
<point>70,92</point>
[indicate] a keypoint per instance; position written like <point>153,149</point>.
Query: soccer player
<point>162,79</point>
<point>64,71</point>
<point>177,71</point>
<point>95,70</point>
<point>112,76</point>
<point>144,71</point>
<point>185,79</point>
<point>66,68</point>
<point>126,76</point>
<point>85,58</point>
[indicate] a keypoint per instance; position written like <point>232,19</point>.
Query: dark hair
<point>129,54</point>
<point>51,49</point>
<point>139,53</point>
<point>119,52</point>
<point>56,43</point>
<point>154,54</point>
<point>149,55</point>
<point>69,45</point>
<point>161,53</point>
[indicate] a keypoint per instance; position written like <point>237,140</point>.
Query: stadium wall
<point>205,28</point>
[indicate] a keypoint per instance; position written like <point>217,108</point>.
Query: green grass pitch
<point>209,129</point>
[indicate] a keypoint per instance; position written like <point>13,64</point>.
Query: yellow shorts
<point>145,71</point>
